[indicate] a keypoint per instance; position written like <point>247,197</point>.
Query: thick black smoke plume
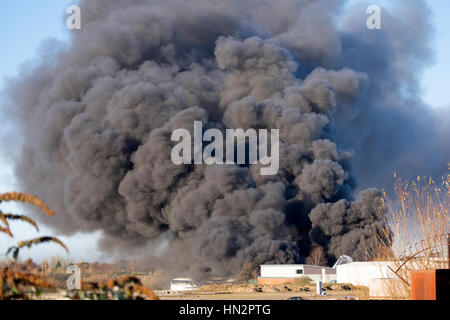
<point>97,119</point>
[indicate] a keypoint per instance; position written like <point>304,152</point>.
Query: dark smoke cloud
<point>97,119</point>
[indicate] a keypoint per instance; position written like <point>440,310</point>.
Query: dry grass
<point>246,291</point>
<point>302,288</point>
<point>156,280</point>
<point>27,280</point>
<point>303,281</point>
<point>418,217</point>
<point>15,284</point>
<point>122,288</point>
<point>18,281</point>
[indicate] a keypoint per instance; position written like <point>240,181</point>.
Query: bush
<point>303,281</point>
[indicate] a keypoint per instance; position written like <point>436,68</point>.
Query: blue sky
<point>25,24</point>
<point>436,79</point>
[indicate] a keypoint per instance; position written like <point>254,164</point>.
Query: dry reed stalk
<point>27,198</point>
<point>418,217</point>
<point>28,243</point>
<point>4,217</point>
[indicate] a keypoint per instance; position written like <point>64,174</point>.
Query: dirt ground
<point>227,291</point>
<point>254,292</point>
<point>251,296</point>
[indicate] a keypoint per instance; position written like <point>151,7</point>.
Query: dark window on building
<point>299,271</point>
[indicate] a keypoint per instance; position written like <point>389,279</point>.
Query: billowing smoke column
<point>97,119</point>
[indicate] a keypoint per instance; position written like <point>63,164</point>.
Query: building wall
<point>313,277</point>
<point>309,270</point>
<point>274,281</point>
<point>360,273</point>
<point>387,288</point>
<point>281,271</point>
<point>277,274</point>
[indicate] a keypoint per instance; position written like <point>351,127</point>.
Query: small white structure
<point>182,284</point>
<point>290,271</point>
<point>360,273</point>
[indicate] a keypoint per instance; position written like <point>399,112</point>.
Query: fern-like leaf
<point>28,198</point>
<point>7,216</point>
<point>29,243</point>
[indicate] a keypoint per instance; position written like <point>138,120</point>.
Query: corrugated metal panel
<point>423,285</point>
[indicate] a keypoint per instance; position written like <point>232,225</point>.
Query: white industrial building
<point>277,273</point>
<point>377,275</point>
<point>361,273</point>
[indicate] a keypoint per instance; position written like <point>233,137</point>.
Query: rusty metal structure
<point>430,285</point>
<point>428,269</point>
<point>423,285</point>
